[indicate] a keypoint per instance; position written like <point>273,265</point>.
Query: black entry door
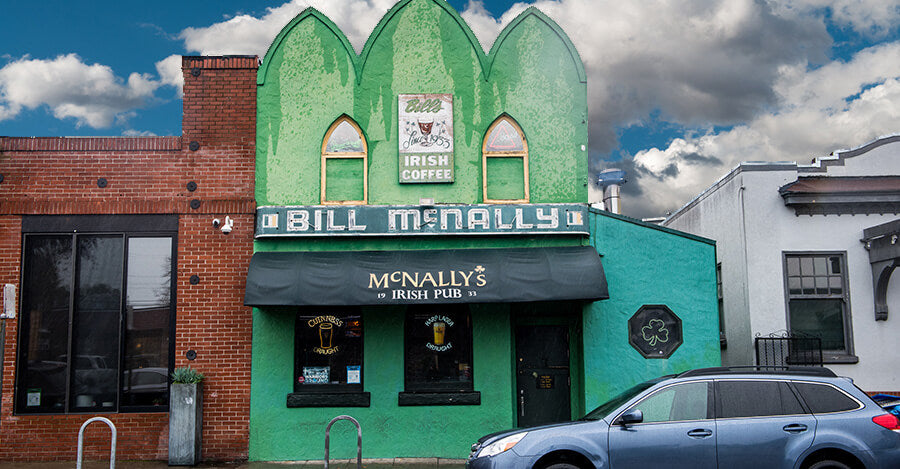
<point>542,375</point>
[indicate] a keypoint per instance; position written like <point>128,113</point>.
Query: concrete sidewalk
<point>404,463</point>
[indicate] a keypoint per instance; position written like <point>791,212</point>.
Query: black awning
<point>422,277</point>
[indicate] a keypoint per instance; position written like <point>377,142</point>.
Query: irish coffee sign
<point>426,138</point>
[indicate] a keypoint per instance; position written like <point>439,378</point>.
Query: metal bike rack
<point>358,439</point>
<point>112,451</point>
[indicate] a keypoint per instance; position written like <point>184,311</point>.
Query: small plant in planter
<point>186,375</point>
<point>185,416</point>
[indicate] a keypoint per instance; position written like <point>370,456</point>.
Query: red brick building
<point>120,272</point>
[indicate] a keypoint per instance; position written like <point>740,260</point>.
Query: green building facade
<point>425,258</point>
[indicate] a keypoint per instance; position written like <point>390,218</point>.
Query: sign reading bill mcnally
<point>414,220</point>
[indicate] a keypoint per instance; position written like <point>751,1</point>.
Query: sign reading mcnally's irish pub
<point>344,278</point>
<point>426,137</point>
<point>414,220</point>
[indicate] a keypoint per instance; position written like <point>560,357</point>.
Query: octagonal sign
<point>655,331</point>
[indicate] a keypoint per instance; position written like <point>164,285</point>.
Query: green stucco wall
<point>648,265</point>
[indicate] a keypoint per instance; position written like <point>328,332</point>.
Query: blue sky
<point>680,92</point>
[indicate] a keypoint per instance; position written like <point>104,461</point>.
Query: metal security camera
<point>225,227</point>
<point>228,225</point>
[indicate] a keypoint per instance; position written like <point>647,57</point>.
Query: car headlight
<point>501,445</point>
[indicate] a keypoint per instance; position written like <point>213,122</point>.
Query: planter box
<point>185,423</point>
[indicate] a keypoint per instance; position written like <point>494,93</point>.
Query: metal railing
<point>112,451</point>
<point>358,439</point>
<point>788,351</point>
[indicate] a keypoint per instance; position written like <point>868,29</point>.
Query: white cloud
<point>692,61</point>
<point>245,34</point>
<point>868,17</point>
<point>91,94</point>
<point>169,70</point>
<point>837,106</point>
<point>138,133</point>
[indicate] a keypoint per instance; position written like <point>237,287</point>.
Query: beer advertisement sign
<point>426,138</point>
<point>439,324</point>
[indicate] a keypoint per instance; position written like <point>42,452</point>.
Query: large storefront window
<point>438,349</point>
<point>95,325</point>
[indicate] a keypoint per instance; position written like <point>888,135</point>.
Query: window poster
<point>34,397</point>
<point>426,138</point>
<point>316,374</point>
<point>353,374</point>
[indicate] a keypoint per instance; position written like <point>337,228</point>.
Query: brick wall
<point>151,175</point>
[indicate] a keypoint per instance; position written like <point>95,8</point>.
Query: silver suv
<point>798,418</point>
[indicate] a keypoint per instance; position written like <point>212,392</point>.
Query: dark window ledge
<point>328,399</point>
<point>839,359</point>
<point>439,398</point>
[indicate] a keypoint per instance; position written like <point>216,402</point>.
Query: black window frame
<point>327,394</point>
<point>417,393</point>
<point>847,355</point>
<point>342,314</point>
<point>75,226</point>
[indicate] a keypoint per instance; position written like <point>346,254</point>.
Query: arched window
<point>504,163</point>
<point>345,173</point>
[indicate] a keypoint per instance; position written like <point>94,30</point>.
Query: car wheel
<point>561,465</point>
<point>829,464</point>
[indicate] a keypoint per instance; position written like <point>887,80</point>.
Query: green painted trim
<point>635,221</point>
<point>533,11</point>
<point>308,12</point>
<point>388,17</point>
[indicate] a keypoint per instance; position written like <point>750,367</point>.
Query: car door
<point>760,423</point>
<point>677,430</point>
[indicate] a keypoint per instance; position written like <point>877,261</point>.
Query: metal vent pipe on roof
<point>610,180</point>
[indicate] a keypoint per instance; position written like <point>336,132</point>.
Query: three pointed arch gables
<point>359,61</point>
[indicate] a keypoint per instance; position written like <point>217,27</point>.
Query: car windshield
<point>617,401</point>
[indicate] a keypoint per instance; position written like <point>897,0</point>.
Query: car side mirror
<point>632,416</point>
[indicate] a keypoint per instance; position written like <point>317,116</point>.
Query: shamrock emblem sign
<point>655,332</point>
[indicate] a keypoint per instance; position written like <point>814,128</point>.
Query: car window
<point>823,398</point>
<point>604,409</point>
<point>686,401</point>
<point>756,399</point>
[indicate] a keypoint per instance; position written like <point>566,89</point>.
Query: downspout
<point>2,352</point>
<point>746,296</point>
<point>7,311</point>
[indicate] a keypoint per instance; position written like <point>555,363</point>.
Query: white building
<point>808,250</point>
